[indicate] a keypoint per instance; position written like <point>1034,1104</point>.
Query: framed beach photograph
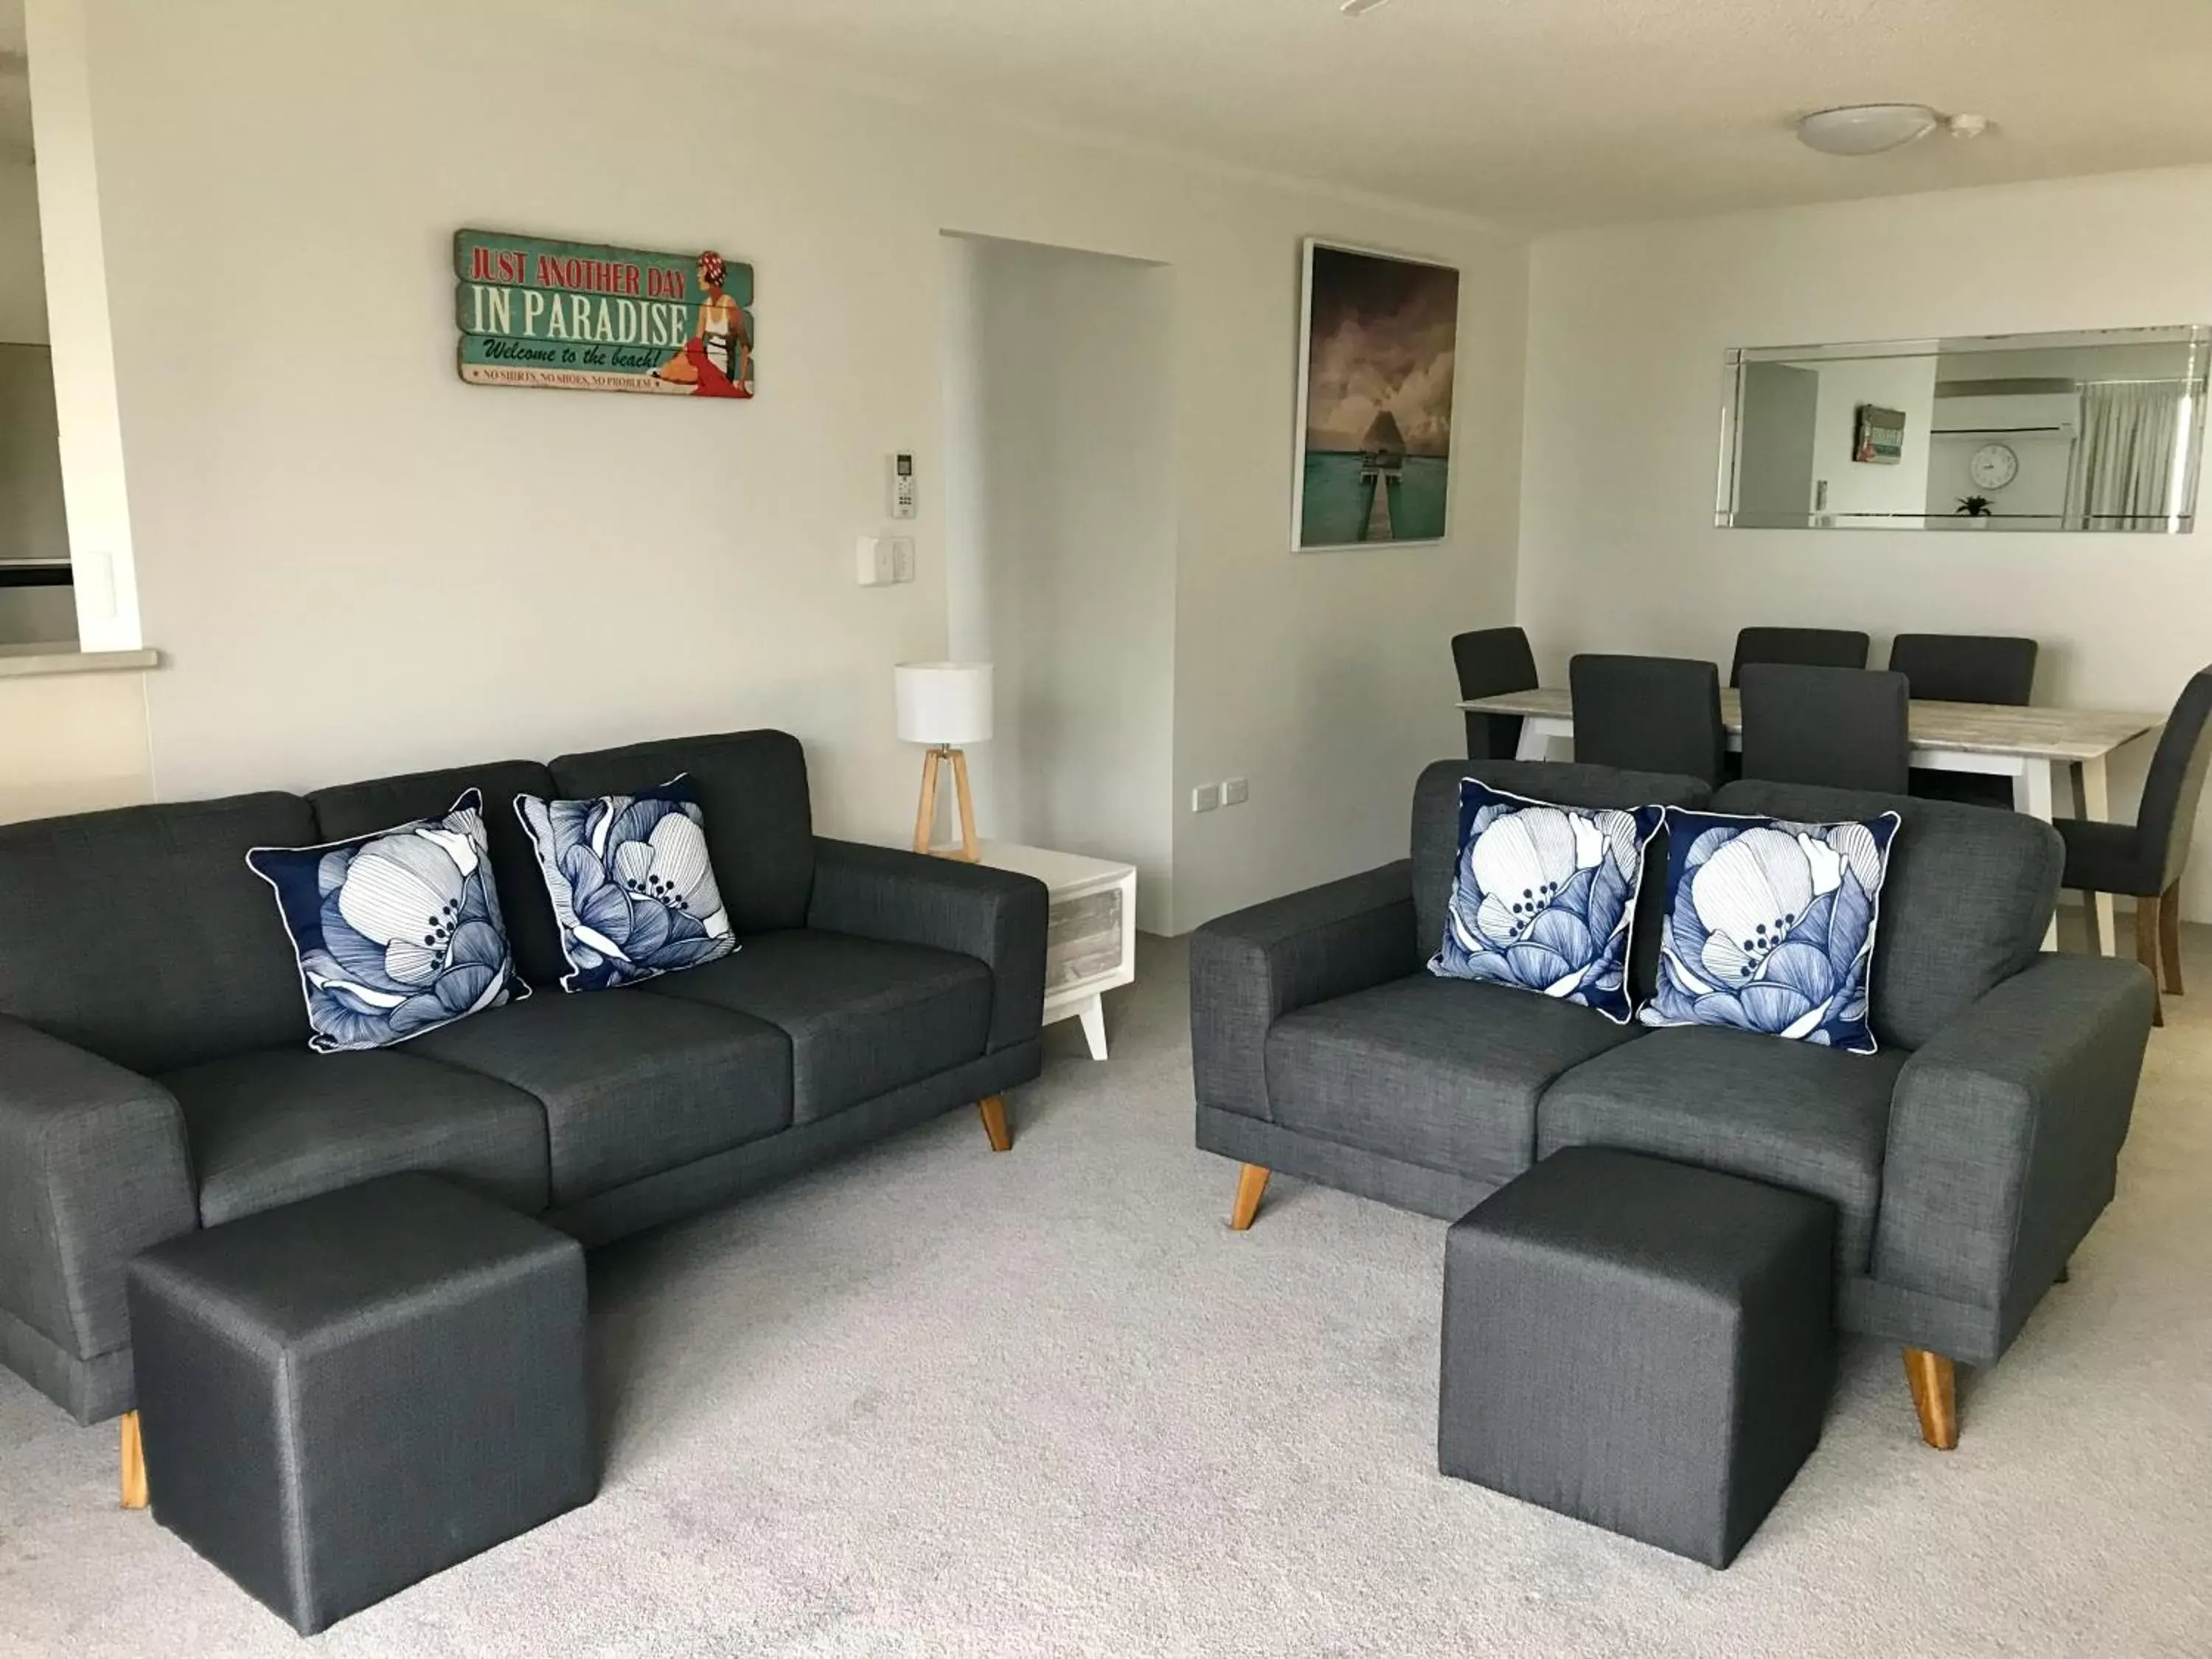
<point>1375,398</point>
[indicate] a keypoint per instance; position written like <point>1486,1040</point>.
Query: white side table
<point>1091,933</point>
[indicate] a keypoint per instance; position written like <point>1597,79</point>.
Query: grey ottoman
<point>1639,1344</point>
<point>345,1395</point>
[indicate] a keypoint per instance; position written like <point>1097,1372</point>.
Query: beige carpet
<point>937,1401</point>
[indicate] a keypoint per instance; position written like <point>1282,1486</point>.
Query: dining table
<point>2028,745</point>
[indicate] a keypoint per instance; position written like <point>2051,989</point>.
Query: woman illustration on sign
<point>717,361</point>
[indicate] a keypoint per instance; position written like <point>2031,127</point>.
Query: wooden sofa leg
<point>2169,938</point>
<point>134,1464</point>
<point>2148,928</point>
<point>993,1109</point>
<point>1251,1186</point>
<point>1934,1384</point>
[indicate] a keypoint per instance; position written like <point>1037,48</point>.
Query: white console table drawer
<point>1090,930</point>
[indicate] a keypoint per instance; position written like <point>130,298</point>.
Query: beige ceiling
<point>1551,112</point>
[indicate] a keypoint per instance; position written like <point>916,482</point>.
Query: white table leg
<point>1093,1015</point>
<point>1535,742</point>
<point>2032,794</point>
<point>2091,802</point>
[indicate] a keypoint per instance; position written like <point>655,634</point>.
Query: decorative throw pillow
<point>1769,926</point>
<point>632,886</point>
<point>397,932</point>
<point>1545,897</point>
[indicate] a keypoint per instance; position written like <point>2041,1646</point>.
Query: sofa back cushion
<point>752,787</point>
<point>1969,892</point>
<point>1435,836</point>
<point>141,935</point>
<point>362,808</point>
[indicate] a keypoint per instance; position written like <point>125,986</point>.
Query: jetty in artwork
<point>1382,464</point>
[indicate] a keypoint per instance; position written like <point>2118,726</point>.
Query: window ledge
<point>24,661</point>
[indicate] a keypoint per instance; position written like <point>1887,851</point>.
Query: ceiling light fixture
<point>1866,129</point>
<point>1359,8</point>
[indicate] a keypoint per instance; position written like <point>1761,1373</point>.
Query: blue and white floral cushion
<point>632,886</point>
<point>1769,926</point>
<point>1545,898</point>
<point>396,933</point>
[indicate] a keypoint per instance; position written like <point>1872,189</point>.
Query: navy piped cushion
<point>1544,896</point>
<point>398,931</point>
<point>1769,926</point>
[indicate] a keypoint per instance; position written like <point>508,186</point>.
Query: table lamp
<point>944,705</point>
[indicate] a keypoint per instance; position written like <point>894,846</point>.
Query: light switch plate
<point>901,558</point>
<point>1235,792</point>
<point>1206,798</point>
<point>875,562</point>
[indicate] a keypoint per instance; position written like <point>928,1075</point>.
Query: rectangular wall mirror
<point>2087,431</point>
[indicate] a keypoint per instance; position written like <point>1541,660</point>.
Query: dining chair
<point>1815,647</point>
<point>2145,860</point>
<point>1848,728</point>
<point>1993,668</point>
<point>1490,661</point>
<point>1648,713</point>
<point>1965,667</point>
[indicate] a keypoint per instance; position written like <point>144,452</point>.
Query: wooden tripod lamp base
<point>925,817</point>
<point>945,706</point>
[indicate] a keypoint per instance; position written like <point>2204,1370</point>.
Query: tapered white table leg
<point>1093,1015</point>
<point>2091,801</point>
<point>2032,792</point>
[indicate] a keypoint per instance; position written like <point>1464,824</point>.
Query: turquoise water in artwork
<point>1337,505</point>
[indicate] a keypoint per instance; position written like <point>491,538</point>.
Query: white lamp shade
<point>944,703</point>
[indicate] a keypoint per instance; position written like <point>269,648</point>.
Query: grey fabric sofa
<point>154,1075</point>
<point>1965,1160</point>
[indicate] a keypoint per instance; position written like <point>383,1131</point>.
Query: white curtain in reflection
<point>2122,470</point>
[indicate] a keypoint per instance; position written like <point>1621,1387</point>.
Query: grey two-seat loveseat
<point>154,1073</point>
<point>1965,1160</point>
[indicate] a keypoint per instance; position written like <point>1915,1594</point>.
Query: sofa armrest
<point>2005,1133</point>
<point>92,1169</point>
<point>1249,970</point>
<point>910,898</point>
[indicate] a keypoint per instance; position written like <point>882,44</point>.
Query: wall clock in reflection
<point>1993,466</point>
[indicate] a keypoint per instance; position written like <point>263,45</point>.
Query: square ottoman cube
<point>345,1395</point>
<point>1639,1344</point>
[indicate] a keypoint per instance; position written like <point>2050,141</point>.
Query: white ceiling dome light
<point>1866,129</point>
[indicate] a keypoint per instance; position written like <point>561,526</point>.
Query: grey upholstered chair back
<point>1847,728</point>
<point>752,787</point>
<point>2172,788</point>
<point>1649,714</point>
<point>1435,841</point>
<point>1996,668</point>
<point>141,935</point>
<point>1490,661</point>
<point>1815,647</point>
<point>361,809</point>
<point>1969,895</point>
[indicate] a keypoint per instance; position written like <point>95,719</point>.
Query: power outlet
<point>1235,792</point>
<point>1206,798</point>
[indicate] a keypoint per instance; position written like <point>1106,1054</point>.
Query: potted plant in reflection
<point>1978,509</point>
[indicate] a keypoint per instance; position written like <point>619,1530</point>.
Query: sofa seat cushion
<point>863,1017</point>
<point>1441,1073</point>
<point>1794,1113</point>
<point>631,1084</point>
<point>271,1128</point>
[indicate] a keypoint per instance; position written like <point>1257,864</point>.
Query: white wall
<point>23,283</point>
<point>356,563</point>
<point>1905,384</point>
<point>1059,520</point>
<point>1627,327</point>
